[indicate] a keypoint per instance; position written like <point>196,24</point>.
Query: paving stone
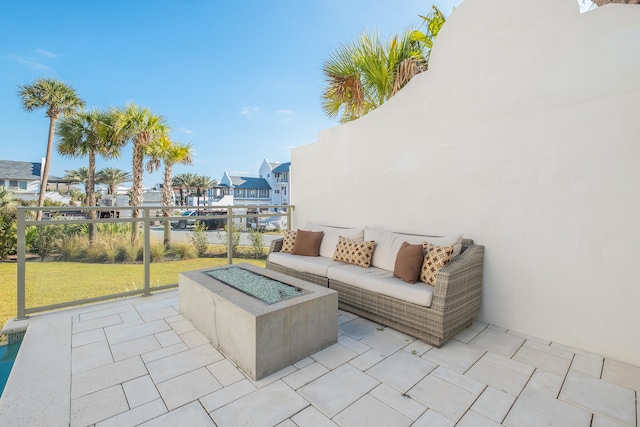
<point>498,342</point>
<point>105,376</point>
<point>225,372</point>
<point>529,338</point>
<point>90,356</point>
<point>353,345</point>
<point>443,397</point>
<point>136,416</point>
<point>542,360</point>
<point>98,406</point>
<point>84,338</point>
<point>135,347</point>
<point>417,348</point>
<point>493,404</point>
<point>369,411</point>
<point>116,336</point>
<point>455,356</point>
<point>501,373</point>
<point>622,374</point>
<point>401,370</point>
<point>159,313</point>
<point>533,409</point>
<point>433,419</point>
<point>305,375</point>
<point>304,362</point>
<point>183,362</point>
<point>600,421</point>
<point>97,312</point>
<point>182,326</point>
<point>336,390</point>
<point>275,376</point>
<point>384,342</point>
<point>401,402</point>
<point>257,409</point>
<point>311,417</point>
<point>188,387</point>
<point>224,396</point>
<point>168,338</point>
<point>140,391</point>
<point>194,339</point>
<point>97,323</point>
<point>546,383</point>
<point>591,366</point>
<point>546,348</point>
<point>192,414</point>
<point>367,360</point>
<point>358,328</point>
<point>334,356</point>
<point>473,419</point>
<point>164,352</point>
<point>601,397</point>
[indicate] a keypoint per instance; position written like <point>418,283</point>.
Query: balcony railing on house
<point>149,216</point>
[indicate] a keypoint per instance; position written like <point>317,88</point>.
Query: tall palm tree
<point>170,153</point>
<point>78,176</point>
<point>88,133</point>
<point>59,99</point>
<point>203,183</point>
<point>140,126</point>
<point>187,181</point>
<point>112,177</point>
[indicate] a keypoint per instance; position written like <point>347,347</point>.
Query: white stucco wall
<point>524,136</point>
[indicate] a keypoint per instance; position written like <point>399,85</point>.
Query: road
<point>213,236</point>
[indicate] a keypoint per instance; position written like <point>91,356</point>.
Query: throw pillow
<point>307,243</point>
<point>288,241</point>
<point>436,258</point>
<point>352,252</point>
<point>409,262</point>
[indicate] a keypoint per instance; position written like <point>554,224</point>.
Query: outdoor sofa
<point>359,263</point>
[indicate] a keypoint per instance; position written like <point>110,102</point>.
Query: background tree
<point>432,23</point>
<point>78,176</point>
<point>112,177</point>
<point>187,181</point>
<point>88,134</point>
<point>140,126</point>
<point>58,99</point>
<point>202,184</point>
<point>8,236</point>
<point>170,153</point>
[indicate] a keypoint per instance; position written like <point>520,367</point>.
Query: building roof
<point>249,182</point>
<point>10,169</point>
<point>284,167</point>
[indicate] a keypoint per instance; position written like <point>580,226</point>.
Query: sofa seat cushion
<point>382,282</point>
<point>314,265</point>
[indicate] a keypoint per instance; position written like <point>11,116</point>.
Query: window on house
<point>277,191</point>
<point>264,193</point>
<point>252,193</point>
<point>18,185</point>
<point>284,190</point>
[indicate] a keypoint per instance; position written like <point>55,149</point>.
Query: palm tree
<point>362,75</point>
<point>59,99</point>
<point>78,176</point>
<point>203,183</point>
<point>170,153</point>
<point>187,181</point>
<point>112,177</point>
<point>141,127</point>
<point>88,134</point>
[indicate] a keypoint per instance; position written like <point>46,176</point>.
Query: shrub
<point>111,247</point>
<point>72,248</point>
<point>182,251</point>
<point>8,236</point>
<point>235,238</point>
<point>157,250</point>
<point>47,241</point>
<point>257,243</point>
<point>132,252</point>
<point>199,238</point>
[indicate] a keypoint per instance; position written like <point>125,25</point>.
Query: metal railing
<point>148,215</point>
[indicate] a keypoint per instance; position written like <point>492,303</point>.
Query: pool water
<point>8,355</point>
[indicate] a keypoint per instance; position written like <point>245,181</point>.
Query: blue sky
<point>241,81</point>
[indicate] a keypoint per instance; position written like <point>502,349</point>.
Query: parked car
<point>191,218</point>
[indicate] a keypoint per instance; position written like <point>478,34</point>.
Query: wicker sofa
<point>431,313</point>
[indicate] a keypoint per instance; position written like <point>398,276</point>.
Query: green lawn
<point>55,282</point>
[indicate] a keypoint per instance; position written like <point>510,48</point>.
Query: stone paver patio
<point>139,362</point>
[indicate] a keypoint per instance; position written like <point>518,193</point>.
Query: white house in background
<point>23,179</point>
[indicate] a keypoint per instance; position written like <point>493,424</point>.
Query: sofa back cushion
<point>331,234</point>
<point>388,244</point>
<point>307,243</point>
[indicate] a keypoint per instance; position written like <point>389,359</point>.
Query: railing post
<point>22,258</point>
<point>146,254</point>
<point>229,236</point>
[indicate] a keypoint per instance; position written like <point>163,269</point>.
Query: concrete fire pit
<point>260,338</point>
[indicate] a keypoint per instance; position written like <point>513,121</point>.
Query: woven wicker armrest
<point>276,245</point>
<point>459,284</point>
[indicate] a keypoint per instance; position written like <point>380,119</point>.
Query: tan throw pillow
<point>409,262</point>
<point>307,243</point>
<point>351,252</point>
<point>288,241</point>
<point>436,258</point>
